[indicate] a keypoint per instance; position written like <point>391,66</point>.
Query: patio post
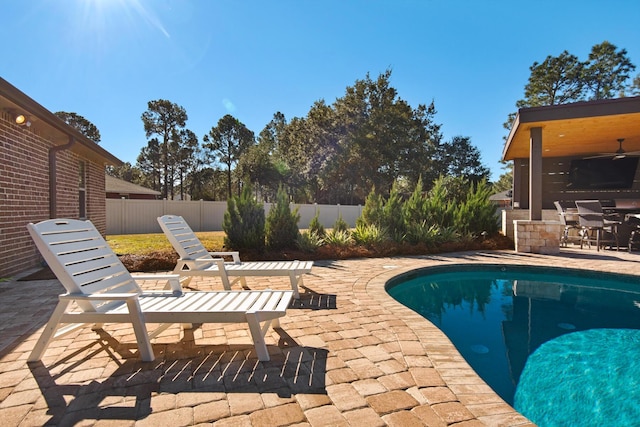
<point>535,174</point>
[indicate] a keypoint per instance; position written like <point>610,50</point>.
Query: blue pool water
<point>557,344</point>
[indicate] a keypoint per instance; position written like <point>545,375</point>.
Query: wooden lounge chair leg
<point>257,334</point>
<point>140,329</point>
<point>49,331</point>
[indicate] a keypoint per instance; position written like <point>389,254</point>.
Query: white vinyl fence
<point>130,216</point>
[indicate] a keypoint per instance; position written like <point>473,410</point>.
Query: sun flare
<point>105,16</point>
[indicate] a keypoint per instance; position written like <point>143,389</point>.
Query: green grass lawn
<point>143,244</point>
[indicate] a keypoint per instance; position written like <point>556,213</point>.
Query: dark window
<point>602,173</point>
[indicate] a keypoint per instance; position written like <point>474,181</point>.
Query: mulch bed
<point>166,260</point>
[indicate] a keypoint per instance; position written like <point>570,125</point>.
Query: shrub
<point>369,235</point>
<point>413,210</point>
<point>421,232</point>
<point>309,241</point>
<point>282,224</point>
<point>372,212</point>
<point>477,213</point>
<point>439,206</point>
<point>340,224</point>
<point>392,215</point>
<point>449,235</point>
<point>457,187</point>
<point>339,238</point>
<point>244,222</point>
<point>316,227</point>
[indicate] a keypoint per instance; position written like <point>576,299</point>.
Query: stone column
<point>540,237</point>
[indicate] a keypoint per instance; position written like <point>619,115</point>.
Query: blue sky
<point>105,59</point>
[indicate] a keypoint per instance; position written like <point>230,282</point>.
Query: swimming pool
<point>547,340</point>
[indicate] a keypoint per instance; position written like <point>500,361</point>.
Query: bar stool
<point>567,223</point>
<point>595,227</point>
<point>634,237</point>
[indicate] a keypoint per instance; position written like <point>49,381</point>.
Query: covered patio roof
<point>579,129</point>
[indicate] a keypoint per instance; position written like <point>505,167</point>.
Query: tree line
<point>368,138</point>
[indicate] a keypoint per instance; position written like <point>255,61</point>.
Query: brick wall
<point>96,202</point>
<point>24,192</point>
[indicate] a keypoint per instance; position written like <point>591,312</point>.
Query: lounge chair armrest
<point>193,262</point>
<point>173,280</point>
<point>234,254</point>
<point>155,276</point>
<point>100,297</point>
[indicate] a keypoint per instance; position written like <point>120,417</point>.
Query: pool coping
<point>469,388</point>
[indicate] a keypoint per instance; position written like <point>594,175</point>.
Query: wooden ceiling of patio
<point>580,129</point>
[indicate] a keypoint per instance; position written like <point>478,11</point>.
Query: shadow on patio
<point>204,376</point>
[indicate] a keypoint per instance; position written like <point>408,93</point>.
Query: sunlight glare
<point>97,13</point>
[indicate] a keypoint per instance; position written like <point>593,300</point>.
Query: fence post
<point>201,214</point>
<point>123,216</point>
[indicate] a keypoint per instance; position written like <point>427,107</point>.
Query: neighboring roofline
<point>576,110</point>
<point>502,195</point>
<point>20,99</point>
<point>127,187</point>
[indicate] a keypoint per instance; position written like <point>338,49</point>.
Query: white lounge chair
<point>195,260</point>
<point>105,292</point>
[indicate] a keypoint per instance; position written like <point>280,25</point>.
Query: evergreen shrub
<point>477,214</point>
<point>316,227</point>
<point>244,223</point>
<point>340,225</point>
<point>373,210</point>
<point>282,224</point>
<point>392,218</point>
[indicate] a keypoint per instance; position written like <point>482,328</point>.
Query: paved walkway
<point>347,355</point>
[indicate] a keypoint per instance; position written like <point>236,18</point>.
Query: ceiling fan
<point>618,154</point>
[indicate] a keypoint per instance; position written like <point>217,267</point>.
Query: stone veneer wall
<point>540,237</point>
<point>511,215</point>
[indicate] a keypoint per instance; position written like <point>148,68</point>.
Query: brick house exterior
<point>46,169</point>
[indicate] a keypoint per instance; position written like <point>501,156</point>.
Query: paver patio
<point>347,355</point>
